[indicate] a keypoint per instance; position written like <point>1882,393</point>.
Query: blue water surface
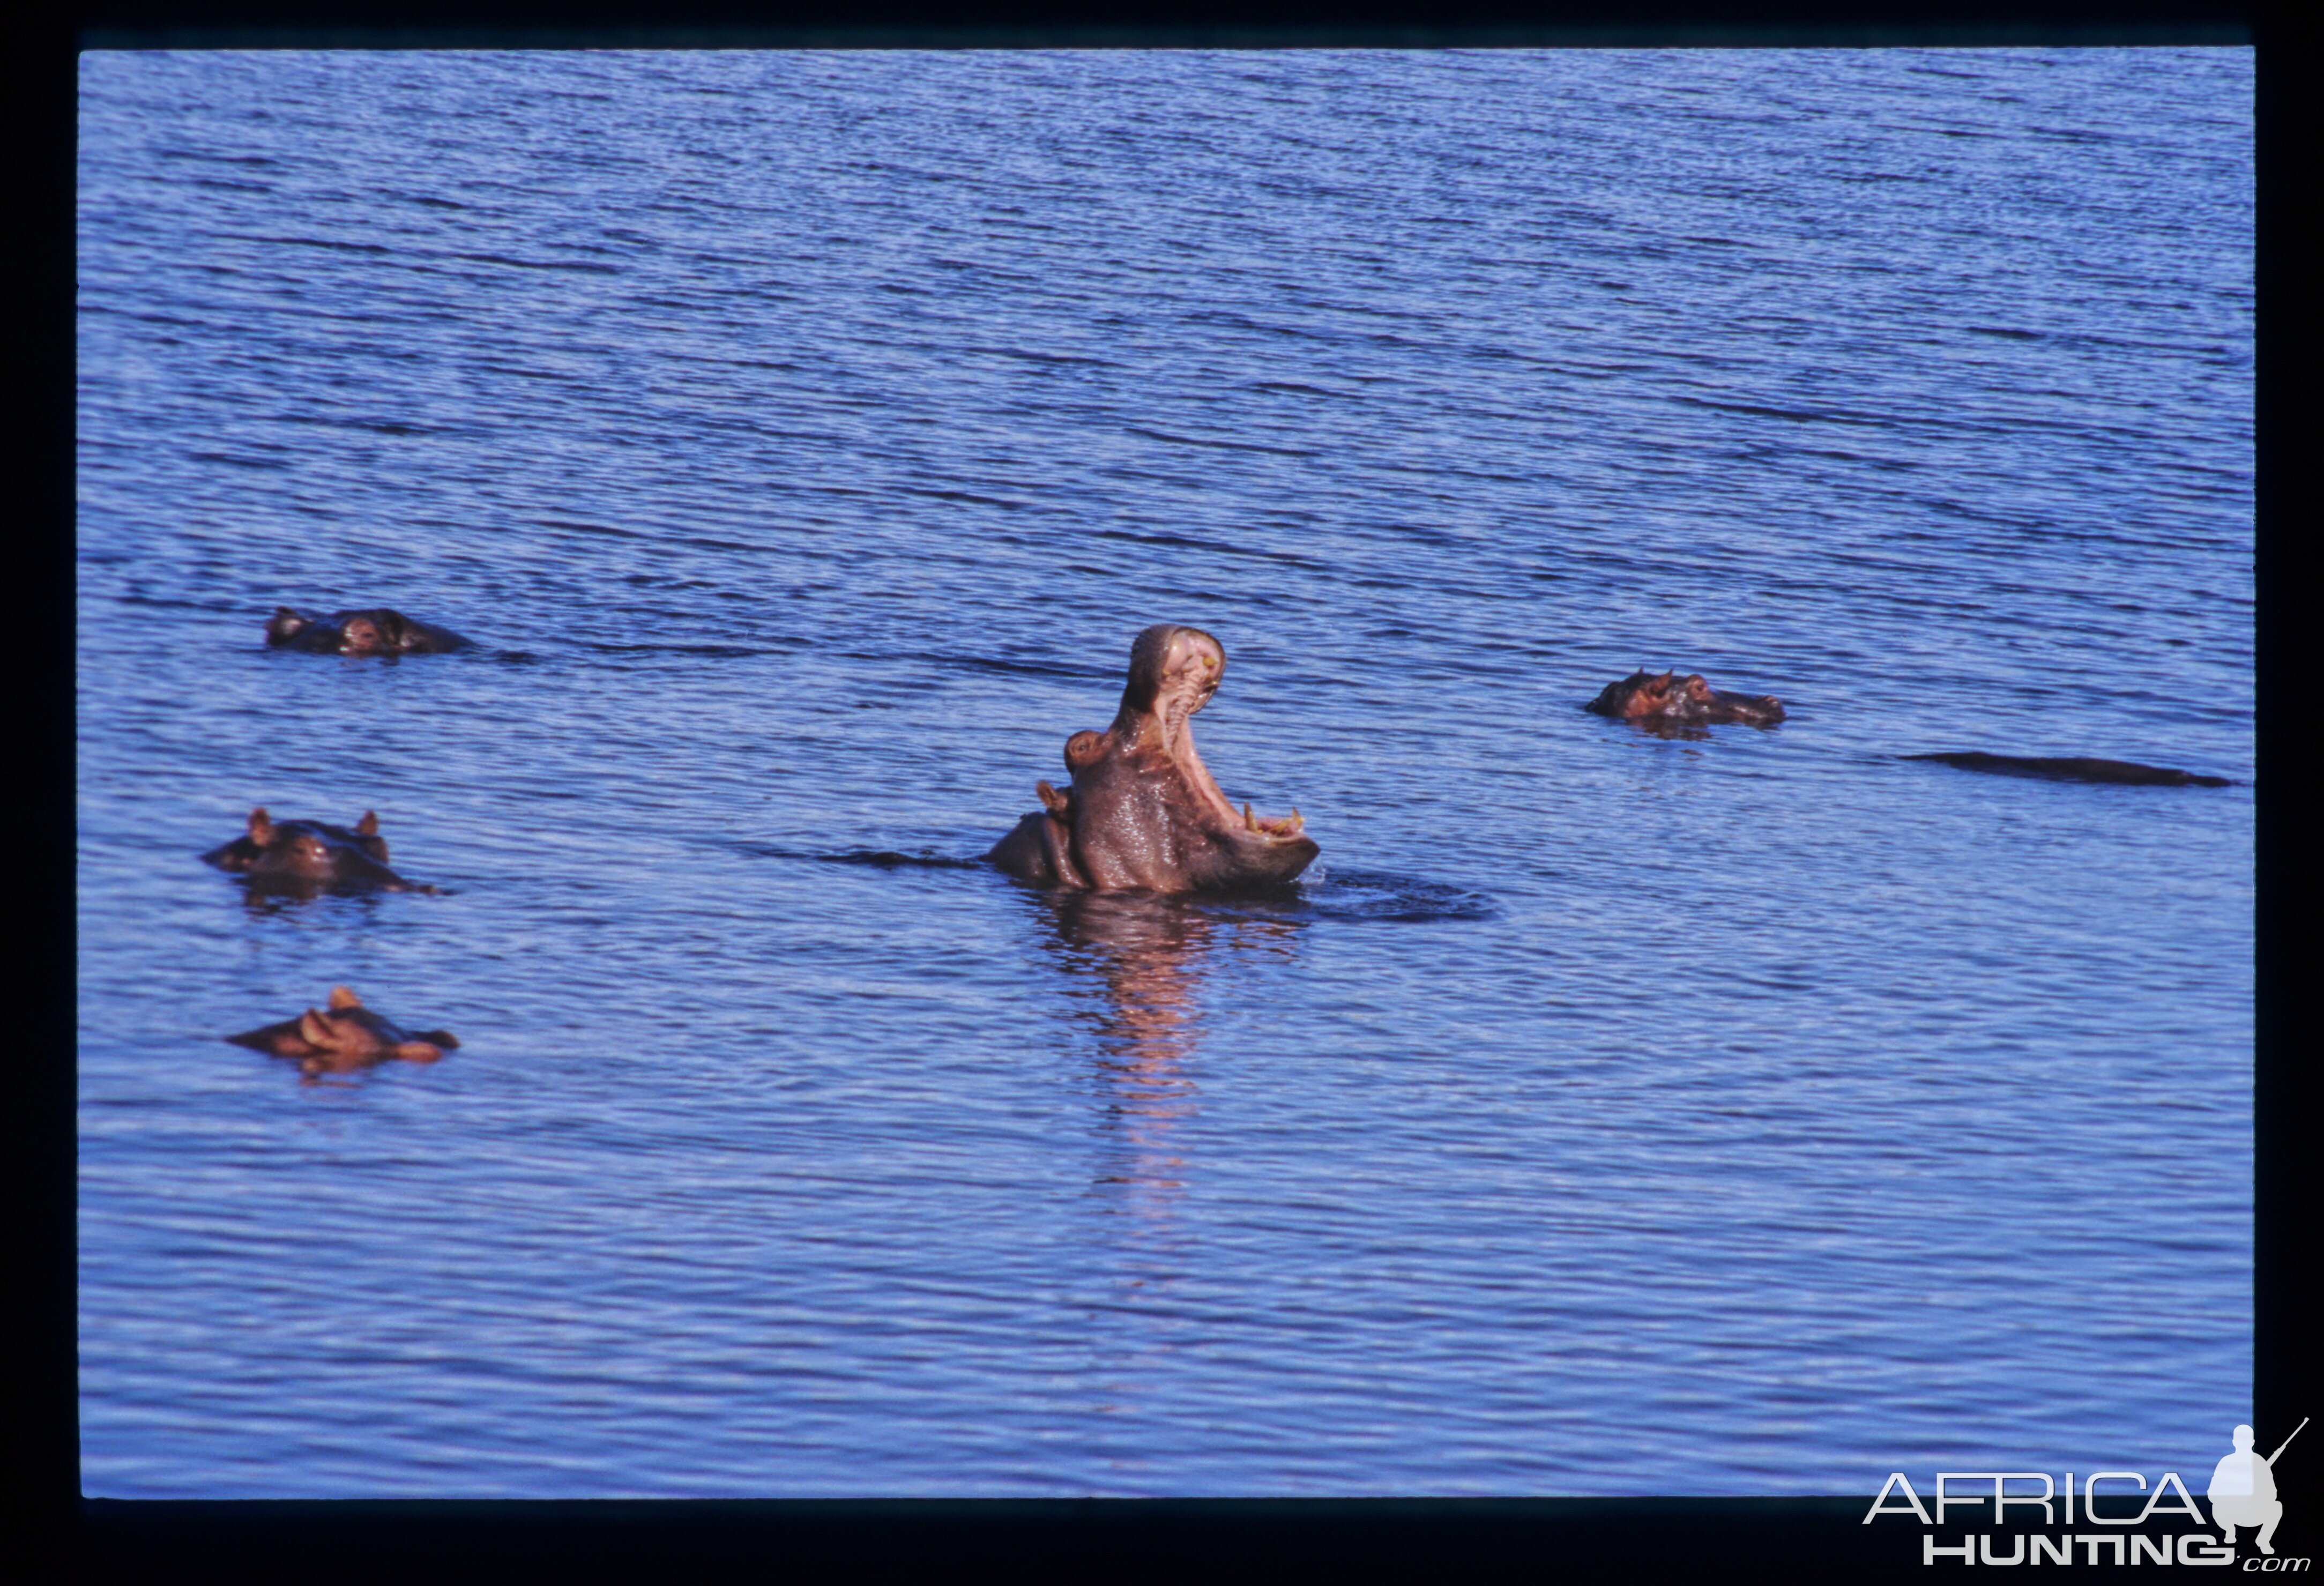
<point>803,437</point>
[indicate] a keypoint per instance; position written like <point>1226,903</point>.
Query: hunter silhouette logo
<point>2243,1489</point>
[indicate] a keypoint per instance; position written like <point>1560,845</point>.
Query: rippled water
<point>804,437</point>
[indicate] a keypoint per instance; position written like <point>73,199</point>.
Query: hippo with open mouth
<point>374,632</point>
<point>1143,811</point>
<point>2074,768</point>
<point>1667,701</point>
<point>311,856</point>
<point>344,1037</point>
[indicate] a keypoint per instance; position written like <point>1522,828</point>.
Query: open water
<point>804,437</point>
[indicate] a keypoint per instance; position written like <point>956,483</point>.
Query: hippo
<point>345,1037</point>
<point>374,632</point>
<point>1667,701</point>
<point>1143,812</point>
<point>2075,769</point>
<point>311,856</point>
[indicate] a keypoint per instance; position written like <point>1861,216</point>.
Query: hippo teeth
<point>1289,825</point>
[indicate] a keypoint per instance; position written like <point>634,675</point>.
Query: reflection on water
<point>1139,959</point>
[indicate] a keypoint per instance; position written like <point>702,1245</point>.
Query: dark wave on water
<point>886,858</point>
<point>803,437</point>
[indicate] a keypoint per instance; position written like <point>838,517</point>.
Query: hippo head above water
<point>344,1035</point>
<point>375,632</point>
<point>1666,700</point>
<point>1143,811</point>
<point>311,856</point>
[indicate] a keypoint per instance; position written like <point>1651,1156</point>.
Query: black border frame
<point>1787,1538</point>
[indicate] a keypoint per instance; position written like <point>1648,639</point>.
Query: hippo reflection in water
<point>344,1037</point>
<point>1143,811</point>
<point>311,856</point>
<point>374,632</point>
<point>1662,702</point>
<point>2076,769</point>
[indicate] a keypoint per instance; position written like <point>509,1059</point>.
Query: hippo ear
<point>314,1031</point>
<point>262,830</point>
<point>344,998</point>
<point>369,825</point>
<point>283,624</point>
<point>1055,802</point>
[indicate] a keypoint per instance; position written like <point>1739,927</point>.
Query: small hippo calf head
<point>311,856</point>
<point>374,632</point>
<point>1665,700</point>
<point>344,1037</point>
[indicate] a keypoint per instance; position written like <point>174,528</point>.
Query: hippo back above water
<point>2073,769</point>
<point>311,856</point>
<point>375,630</point>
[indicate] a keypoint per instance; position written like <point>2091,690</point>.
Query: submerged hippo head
<point>1665,700</point>
<point>311,856</point>
<point>1143,811</point>
<point>344,1037</point>
<point>374,632</point>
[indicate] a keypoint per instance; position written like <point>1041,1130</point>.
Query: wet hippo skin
<point>344,1037</point>
<point>1143,811</point>
<point>374,632</point>
<point>2075,770</point>
<point>311,856</point>
<point>1665,700</point>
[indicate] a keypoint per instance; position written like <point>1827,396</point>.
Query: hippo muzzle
<point>1143,811</point>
